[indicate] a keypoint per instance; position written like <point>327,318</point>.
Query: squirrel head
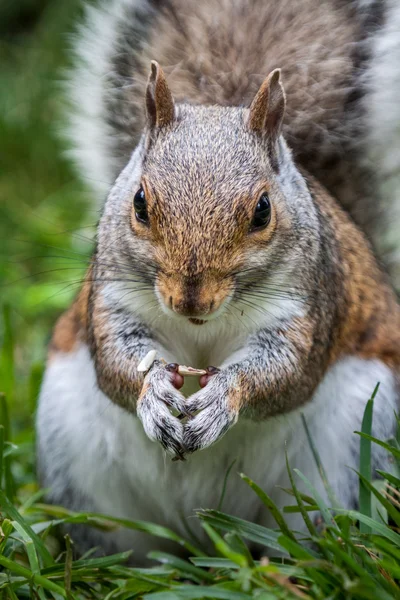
<point>206,208</point>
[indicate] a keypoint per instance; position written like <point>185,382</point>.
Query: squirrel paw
<point>157,397</point>
<point>219,411</point>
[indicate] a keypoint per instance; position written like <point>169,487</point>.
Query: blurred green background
<point>46,218</point>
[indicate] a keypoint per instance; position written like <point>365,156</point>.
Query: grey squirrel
<point>238,234</point>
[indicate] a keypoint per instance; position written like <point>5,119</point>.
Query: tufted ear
<point>159,102</point>
<point>268,108</point>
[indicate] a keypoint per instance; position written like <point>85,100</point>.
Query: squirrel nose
<point>189,307</point>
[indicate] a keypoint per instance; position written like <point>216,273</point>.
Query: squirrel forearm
<point>278,371</point>
<point>118,343</point>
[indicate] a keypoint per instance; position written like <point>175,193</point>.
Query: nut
<point>190,371</point>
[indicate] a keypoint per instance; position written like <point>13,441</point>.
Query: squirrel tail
<point>382,138</point>
<point>106,86</point>
<point>101,125</point>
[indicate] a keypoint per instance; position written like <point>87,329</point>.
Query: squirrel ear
<point>159,102</point>
<point>268,108</point>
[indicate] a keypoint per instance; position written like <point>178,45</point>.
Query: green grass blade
<point>238,545</point>
<point>68,564</point>
<point>189,592</point>
<point>6,530</point>
<point>9,484</point>
<point>294,508</point>
<point>152,529</point>
<point>299,500</point>
<point>215,562</point>
<point>388,447</point>
<point>386,547</point>
<point>30,547</point>
<point>35,578</point>
<point>224,548</point>
<point>228,471</point>
<point>7,368</point>
<point>251,531</point>
<point>12,512</point>
<point>326,515</point>
<point>364,499</point>
<point>295,549</point>
<point>106,521</point>
<point>383,530</point>
<point>270,504</point>
<point>393,512</point>
<point>182,566</point>
<point>390,478</point>
<point>318,462</point>
<point>304,497</point>
<point>1,454</point>
<point>35,380</point>
<point>90,563</point>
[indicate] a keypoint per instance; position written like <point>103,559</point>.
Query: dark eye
<point>140,206</point>
<point>262,214</point>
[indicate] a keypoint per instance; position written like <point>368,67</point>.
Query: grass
<point>46,225</point>
<point>354,554</point>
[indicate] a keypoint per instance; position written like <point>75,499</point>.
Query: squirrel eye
<point>140,206</point>
<point>262,214</point>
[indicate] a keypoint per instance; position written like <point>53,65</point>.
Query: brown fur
<point>70,329</point>
<point>369,312</point>
<point>219,52</point>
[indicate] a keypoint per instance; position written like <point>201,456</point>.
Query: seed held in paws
<point>190,371</point>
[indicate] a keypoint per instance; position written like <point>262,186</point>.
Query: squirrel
<point>242,235</point>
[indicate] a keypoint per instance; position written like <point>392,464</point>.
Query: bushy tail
<point>103,124</point>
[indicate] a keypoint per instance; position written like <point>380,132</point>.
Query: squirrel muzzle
<point>195,297</point>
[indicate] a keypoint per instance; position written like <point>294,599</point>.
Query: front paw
<point>157,397</point>
<point>218,403</point>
